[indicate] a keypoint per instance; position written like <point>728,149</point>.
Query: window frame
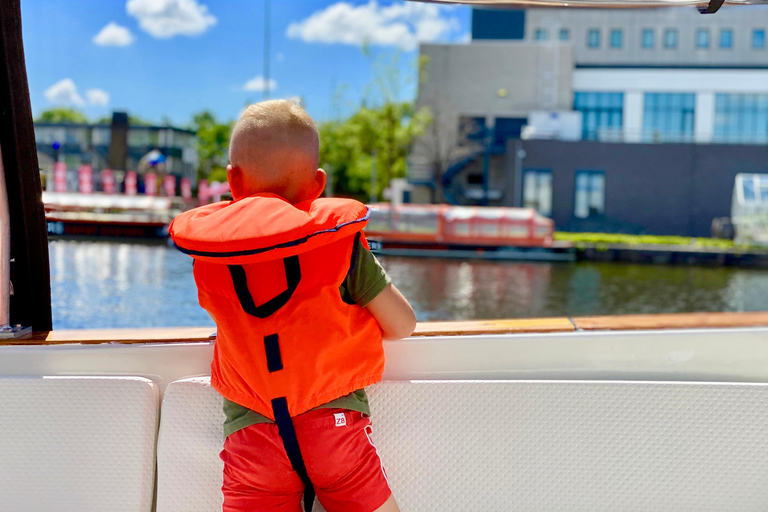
<point>671,32</point>
<point>590,173</point>
<point>540,34</point>
<point>652,33</point>
<point>724,31</point>
<point>590,32</point>
<point>616,32</point>
<point>565,31</point>
<point>708,44</point>
<point>539,172</point>
<point>761,31</point>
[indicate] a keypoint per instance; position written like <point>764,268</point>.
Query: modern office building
<point>118,146</point>
<point>649,115</point>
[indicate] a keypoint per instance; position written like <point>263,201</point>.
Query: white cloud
<point>167,18</point>
<point>64,93</point>
<point>97,97</point>
<point>113,35</point>
<point>258,84</point>
<point>403,24</point>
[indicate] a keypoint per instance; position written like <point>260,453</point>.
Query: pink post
<point>85,179</point>
<point>59,177</point>
<point>131,183</point>
<point>169,185</point>
<point>186,189</point>
<point>202,191</point>
<point>150,184</point>
<point>107,181</point>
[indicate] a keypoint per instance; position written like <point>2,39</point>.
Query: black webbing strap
<point>291,444</point>
<point>240,281</point>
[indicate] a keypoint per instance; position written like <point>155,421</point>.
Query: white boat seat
<point>77,443</point>
<point>522,445</point>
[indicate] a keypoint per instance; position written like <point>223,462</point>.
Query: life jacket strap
<point>291,444</point>
<point>240,281</point>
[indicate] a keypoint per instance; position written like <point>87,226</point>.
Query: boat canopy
<point>703,6</point>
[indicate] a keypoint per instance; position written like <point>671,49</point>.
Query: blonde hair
<point>271,126</point>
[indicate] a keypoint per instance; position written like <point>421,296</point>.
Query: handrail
<point>427,329</point>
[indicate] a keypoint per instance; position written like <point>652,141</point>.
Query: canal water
<point>106,284</point>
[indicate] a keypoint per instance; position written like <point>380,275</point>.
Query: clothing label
<point>341,419</point>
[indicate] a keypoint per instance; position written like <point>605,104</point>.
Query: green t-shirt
<point>363,284</point>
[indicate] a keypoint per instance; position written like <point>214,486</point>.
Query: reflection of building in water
<point>441,289</point>
<point>614,93</point>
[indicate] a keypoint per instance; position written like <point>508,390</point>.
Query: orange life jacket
<point>269,273</point>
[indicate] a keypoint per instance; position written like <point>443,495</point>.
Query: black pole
<point>31,299</point>
<point>266,48</point>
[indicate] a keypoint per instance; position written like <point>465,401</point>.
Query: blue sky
<point>157,58</point>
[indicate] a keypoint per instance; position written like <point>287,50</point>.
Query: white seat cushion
<point>522,445</point>
<point>77,443</point>
<point>189,471</point>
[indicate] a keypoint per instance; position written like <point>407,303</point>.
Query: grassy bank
<point>580,239</point>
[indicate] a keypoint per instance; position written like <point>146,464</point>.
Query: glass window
<point>758,38</point>
<point>726,38</point>
<point>616,38</point>
<point>593,38</point>
<point>537,191</point>
<point>506,128</point>
<point>648,38</point>
<point>602,114</point>
<point>590,194</point>
<point>565,34</point>
<point>668,117</point>
<point>540,34</point>
<point>741,118</point>
<point>702,38</point>
<point>670,38</point>
<point>471,128</point>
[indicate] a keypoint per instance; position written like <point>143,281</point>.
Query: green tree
<point>383,128</point>
<point>212,145</point>
<point>61,115</point>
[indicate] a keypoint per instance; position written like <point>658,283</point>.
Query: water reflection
<point>103,284</point>
<point>449,289</point>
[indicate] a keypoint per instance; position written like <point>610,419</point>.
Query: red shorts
<point>340,457</point>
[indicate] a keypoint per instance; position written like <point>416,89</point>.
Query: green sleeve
<point>367,279</point>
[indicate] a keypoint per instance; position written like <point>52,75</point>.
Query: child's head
<point>275,148</point>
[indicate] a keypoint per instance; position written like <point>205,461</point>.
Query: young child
<point>301,306</point>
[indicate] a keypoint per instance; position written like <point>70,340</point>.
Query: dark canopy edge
<point>31,302</point>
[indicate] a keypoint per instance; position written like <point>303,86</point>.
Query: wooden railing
<point>458,328</point>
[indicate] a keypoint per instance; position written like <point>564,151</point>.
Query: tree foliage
<point>212,145</point>
<point>382,128</point>
<point>349,146</point>
<point>61,115</point>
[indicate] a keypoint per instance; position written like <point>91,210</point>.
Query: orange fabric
<point>264,227</point>
<point>328,348</point>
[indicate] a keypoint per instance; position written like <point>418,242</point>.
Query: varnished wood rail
<point>458,328</point>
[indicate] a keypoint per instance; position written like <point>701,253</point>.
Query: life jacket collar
<point>265,227</point>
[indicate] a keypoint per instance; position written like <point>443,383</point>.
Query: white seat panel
<point>521,445</point>
<point>577,446</point>
<point>77,443</point>
<point>191,436</point>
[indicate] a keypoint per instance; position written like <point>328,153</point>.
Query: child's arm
<point>394,314</point>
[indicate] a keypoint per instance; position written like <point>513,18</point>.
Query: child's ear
<point>318,186</point>
<point>235,180</point>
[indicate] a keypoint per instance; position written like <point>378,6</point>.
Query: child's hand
<point>394,314</point>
